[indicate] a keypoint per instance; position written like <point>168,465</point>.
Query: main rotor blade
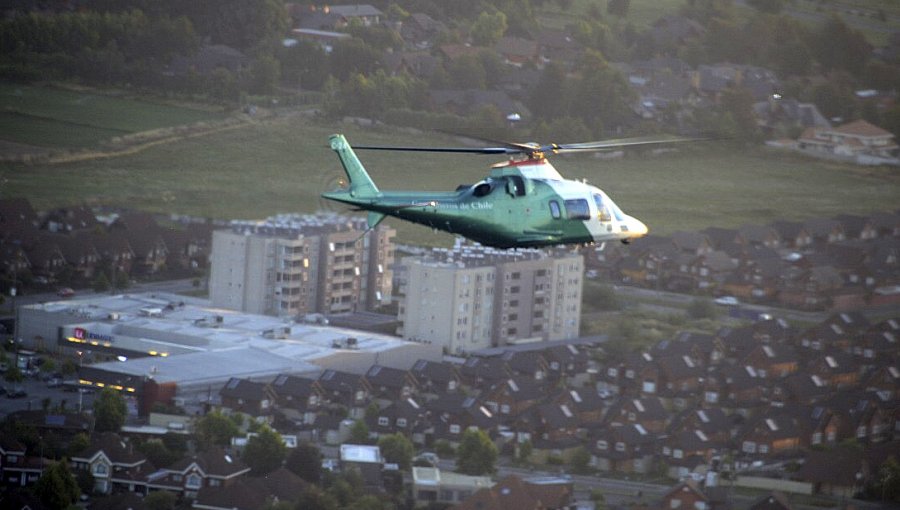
<point>612,144</point>
<point>469,150</point>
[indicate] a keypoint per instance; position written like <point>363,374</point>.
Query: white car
<point>727,301</point>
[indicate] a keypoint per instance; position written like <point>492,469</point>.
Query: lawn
<point>282,166</point>
<point>54,117</point>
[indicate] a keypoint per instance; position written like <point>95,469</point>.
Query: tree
<point>314,498</point>
<point>57,488</point>
<point>265,451</point>
<point>488,28</point>
<point>477,454</point>
<point>305,461</point>
<point>78,444</point>
<point>109,411</point>
<point>216,429</point>
<point>359,433</point>
<point>581,461</point>
<point>397,449</point>
<point>525,450</point>
<point>160,500</point>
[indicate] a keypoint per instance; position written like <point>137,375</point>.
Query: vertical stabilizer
<point>361,184</point>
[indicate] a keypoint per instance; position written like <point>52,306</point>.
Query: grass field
<point>282,166</point>
<point>53,117</point>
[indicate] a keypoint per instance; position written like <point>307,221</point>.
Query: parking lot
<point>36,393</point>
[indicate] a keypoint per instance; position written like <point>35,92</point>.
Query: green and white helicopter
<point>523,203</point>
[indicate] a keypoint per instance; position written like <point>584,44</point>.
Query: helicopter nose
<point>636,228</point>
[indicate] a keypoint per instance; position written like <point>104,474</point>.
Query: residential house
<point>773,501</point>
<point>687,494</point>
<point>145,237</point>
<point>343,389</point>
<point>623,449</point>
<point>837,369</point>
<point>113,463</point>
<point>687,451</point>
<point>18,220</point>
<point>436,378</point>
<point>17,469</point>
<point>300,394</point>
<point>772,361</point>
<point>517,51</point>
<point>770,434</point>
<point>212,468</point>
<point>420,30</point>
<point>391,384</point>
<point>860,140</point>
<point>840,471</point>
<point>65,220</point>
<point>252,492</point>
<point>793,234</point>
<point>453,414</point>
<point>405,416</point>
<point>510,398</point>
<point>513,492</point>
<point>431,486</point>
<point>647,412</point>
<point>365,458</point>
<point>249,397</point>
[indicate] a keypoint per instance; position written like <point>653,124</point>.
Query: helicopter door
<point>515,186</point>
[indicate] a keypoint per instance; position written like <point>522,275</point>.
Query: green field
<point>282,166</point>
<point>58,118</point>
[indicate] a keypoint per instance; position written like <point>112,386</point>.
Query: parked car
<point>17,393</point>
<point>727,301</point>
<point>65,292</point>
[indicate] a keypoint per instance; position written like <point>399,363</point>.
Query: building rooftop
<point>181,339</point>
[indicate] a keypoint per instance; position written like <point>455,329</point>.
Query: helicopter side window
<point>482,189</point>
<point>554,209</point>
<point>602,209</point>
<point>578,209</point>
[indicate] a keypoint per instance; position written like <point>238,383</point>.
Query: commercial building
<point>180,350</point>
<point>290,265</point>
<point>471,297</point>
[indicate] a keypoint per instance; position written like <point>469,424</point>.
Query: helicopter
<point>523,202</point>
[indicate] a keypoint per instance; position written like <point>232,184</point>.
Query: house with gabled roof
<point>772,361</point>
<point>859,139</point>
<point>734,388</point>
<point>627,448</point>
<point>771,434</point>
<point>689,450</point>
<point>391,384</point>
<point>77,250</point>
<point>146,240</point>
<point>452,414</point>
<point>647,412</point>
<point>839,471</point>
<point>837,369</point>
<point>773,501</point>
<point>513,396</point>
<point>298,399</point>
<point>252,492</point>
<point>212,468</point>
<point>513,492</point>
<point>686,494</point>
<point>249,397</point>
<point>517,51</point>
<point>436,378</point>
<point>800,389</point>
<point>113,463</point>
<point>793,234</point>
<point>405,416</point>
<point>344,389</point>
<point>17,469</point>
<point>420,30</point>
<point>18,220</point>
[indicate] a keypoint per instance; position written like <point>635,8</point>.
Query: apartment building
<point>471,297</point>
<point>291,265</point>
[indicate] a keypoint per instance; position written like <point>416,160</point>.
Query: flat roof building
<point>290,265</point>
<point>471,297</point>
<point>160,347</point>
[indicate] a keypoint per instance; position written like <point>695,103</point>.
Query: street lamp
<point>80,389</point>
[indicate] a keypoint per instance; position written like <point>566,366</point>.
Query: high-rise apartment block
<point>291,265</point>
<point>472,297</point>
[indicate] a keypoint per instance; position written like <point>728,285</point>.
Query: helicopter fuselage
<point>522,203</point>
